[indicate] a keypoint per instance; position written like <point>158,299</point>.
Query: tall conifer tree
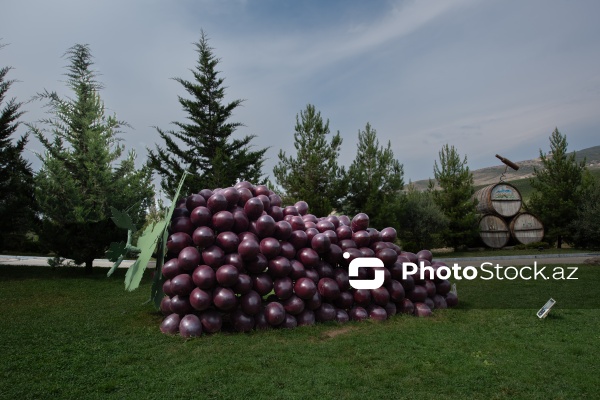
<point>17,202</point>
<point>203,144</point>
<point>455,197</point>
<point>313,175</point>
<point>375,179</point>
<point>558,189</point>
<point>81,175</point>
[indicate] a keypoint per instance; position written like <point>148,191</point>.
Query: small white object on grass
<point>543,313</point>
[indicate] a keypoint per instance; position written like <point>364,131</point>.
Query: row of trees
<point>85,170</point>
<point>374,183</point>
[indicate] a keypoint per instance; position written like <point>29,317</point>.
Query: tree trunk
<point>559,242</point>
<point>88,266</point>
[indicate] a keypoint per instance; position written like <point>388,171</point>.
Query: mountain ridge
<point>492,174</point>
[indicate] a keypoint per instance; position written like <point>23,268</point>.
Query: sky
<point>486,76</point>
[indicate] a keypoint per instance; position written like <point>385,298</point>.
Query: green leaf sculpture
<point>146,243</point>
<point>122,220</point>
<point>116,250</point>
<point>153,238</point>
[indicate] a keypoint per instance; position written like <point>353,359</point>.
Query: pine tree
<point>203,145</point>
<point>313,175</point>
<point>558,188</point>
<point>455,197</point>
<point>17,201</point>
<point>585,227</point>
<point>81,176</point>
<point>375,179</point>
<point>421,221</point>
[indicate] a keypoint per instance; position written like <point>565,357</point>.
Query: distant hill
<point>488,175</point>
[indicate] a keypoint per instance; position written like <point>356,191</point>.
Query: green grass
<point>66,335</point>
<point>511,293</point>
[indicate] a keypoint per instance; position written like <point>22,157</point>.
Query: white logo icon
<point>365,262</point>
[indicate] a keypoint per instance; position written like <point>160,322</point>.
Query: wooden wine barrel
<point>526,228</point>
<point>493,230</point>
<point>499,198</point>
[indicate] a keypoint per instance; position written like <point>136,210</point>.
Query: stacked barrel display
<point>239,260</point>
<point>501,217</point>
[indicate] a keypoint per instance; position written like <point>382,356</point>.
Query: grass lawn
<point>66,335</point>
<point>508,252</point>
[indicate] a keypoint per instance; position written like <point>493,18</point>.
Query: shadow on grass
<point>25,272</point>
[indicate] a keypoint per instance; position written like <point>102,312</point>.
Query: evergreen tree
<point>455,197</point>
<point>558,188</point>
<point>586,226</point>
<point>313,175</point>
<point>81,176</point>
<point>203,145</point>
<point>17,202</point>
<point>375,179</point>
<point>421,221</point>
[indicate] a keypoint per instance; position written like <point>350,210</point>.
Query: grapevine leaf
<point>156,292</point>
<point>122,220</point>
<point>146,243</point>
<point>115,250</point>
<point>115,266</point>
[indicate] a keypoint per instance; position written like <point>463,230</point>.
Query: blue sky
<point>487,76</point>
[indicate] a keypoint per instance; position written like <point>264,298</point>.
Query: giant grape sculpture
<point>237,258</point>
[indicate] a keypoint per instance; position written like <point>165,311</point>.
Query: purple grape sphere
<point>227,275</point>
<point>203,236</point>
<point>358,314</point>
<point>190,326</point>
<point>200,299</point>
<point>305,288</point>
<point>406,307</point>
<point>170,325</point>
<point>388,234</point>
<point>251,303</point>
<point>241,321</point>
<point>177,242</point>
<point>201,216</point>
<point>360,222</point>
<point>182,285</point>
<point>211,321</point>
<point>378,313</point>
<point>171,268</point>
<point>422,310</point>
<point>224,299</point>
<point>254,208</point>
<point>306,317</point>
<point>274,313</point>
